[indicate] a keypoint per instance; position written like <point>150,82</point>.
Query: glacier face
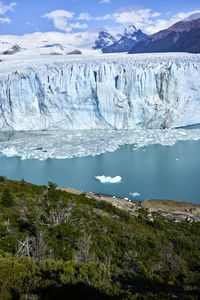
<point>102,92</point>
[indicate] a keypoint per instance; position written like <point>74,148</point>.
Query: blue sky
<point>71,16</point>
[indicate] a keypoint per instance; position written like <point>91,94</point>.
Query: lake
<point>151,172</point>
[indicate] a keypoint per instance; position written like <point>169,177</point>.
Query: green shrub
<point>52,184</point>
<point>17,276</point>
<point>65,239</point>
<point>7,198</point>
<point>2,178</point>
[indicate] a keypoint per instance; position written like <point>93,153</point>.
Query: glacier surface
<point>120,91</point>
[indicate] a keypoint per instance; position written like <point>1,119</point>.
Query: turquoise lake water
<point>154,172</point>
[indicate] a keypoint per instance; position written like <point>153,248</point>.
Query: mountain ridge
<point>121,43</point>
<point>172,39</point>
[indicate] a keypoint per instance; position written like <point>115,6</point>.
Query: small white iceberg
<point>135,194</point>
<point>108,179</point>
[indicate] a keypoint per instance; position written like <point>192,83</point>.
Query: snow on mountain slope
<point>47,43</point>
<point>104,40</point>
<point>102,91</point>
<point>42,49</point>
<point>121,42</point>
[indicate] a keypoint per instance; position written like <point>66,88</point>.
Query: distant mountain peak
<point>105,39</point>
<point>13,50</point>
<point>121,42</point>
<point>130,30</point>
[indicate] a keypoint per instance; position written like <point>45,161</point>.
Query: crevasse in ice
<point>111,91</point>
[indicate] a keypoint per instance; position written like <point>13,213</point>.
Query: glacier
<point>115,91</point>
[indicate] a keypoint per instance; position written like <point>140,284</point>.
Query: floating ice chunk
<point>177,158</point>
<point>135,194</point>
<point>9,152</point>
<point>108,179</point>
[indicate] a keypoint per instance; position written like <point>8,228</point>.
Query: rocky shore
<point>175,210</point>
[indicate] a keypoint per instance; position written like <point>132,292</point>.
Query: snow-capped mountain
<point>129,31</point>
<point>24,49</point>
<point>13,50</point>
<point>39,43</point>
<point>122,42</point>
<point>104,40</point>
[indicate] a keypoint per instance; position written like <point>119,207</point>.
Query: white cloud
<point>5,20</point>
<point>84,16</point>
<point>78,25</point>
<point>160,24</point>
<point>145,18</point>
<point>182,15</point>
<point>4,8</point>
<point>87,17</point>
<point>59,14</point>
<point>61,19</point>
<point>135,17</point>
<point>103,18</point>
<point>156,14</point>
<point>104,1</point>
<point>83,40</point>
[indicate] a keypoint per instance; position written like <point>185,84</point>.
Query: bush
<point>17,276</point>
<point>52,185</point>
<point>7,199</point>
<point>2,178</point>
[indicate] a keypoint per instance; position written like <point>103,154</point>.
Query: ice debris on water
<point>79,143</point>
<point>9,152</point>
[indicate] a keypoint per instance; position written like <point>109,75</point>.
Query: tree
<point>2,178</point>
<point>7,198</point>
<point>52,185</point>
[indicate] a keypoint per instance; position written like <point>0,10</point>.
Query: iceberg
<point>108,179</point>
<point>135,194</point>
<point>117,91</point>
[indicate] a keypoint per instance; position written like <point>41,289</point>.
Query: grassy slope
<point>55,242</point>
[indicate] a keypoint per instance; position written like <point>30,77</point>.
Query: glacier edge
<point>113,91</point>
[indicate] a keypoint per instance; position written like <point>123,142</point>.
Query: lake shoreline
<point>171,209</point>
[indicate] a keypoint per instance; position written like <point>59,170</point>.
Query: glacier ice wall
<point>114,91</point>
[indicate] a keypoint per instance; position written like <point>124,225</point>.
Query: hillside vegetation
<point>58,245</point>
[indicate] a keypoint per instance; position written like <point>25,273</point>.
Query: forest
<point>58,245</point>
